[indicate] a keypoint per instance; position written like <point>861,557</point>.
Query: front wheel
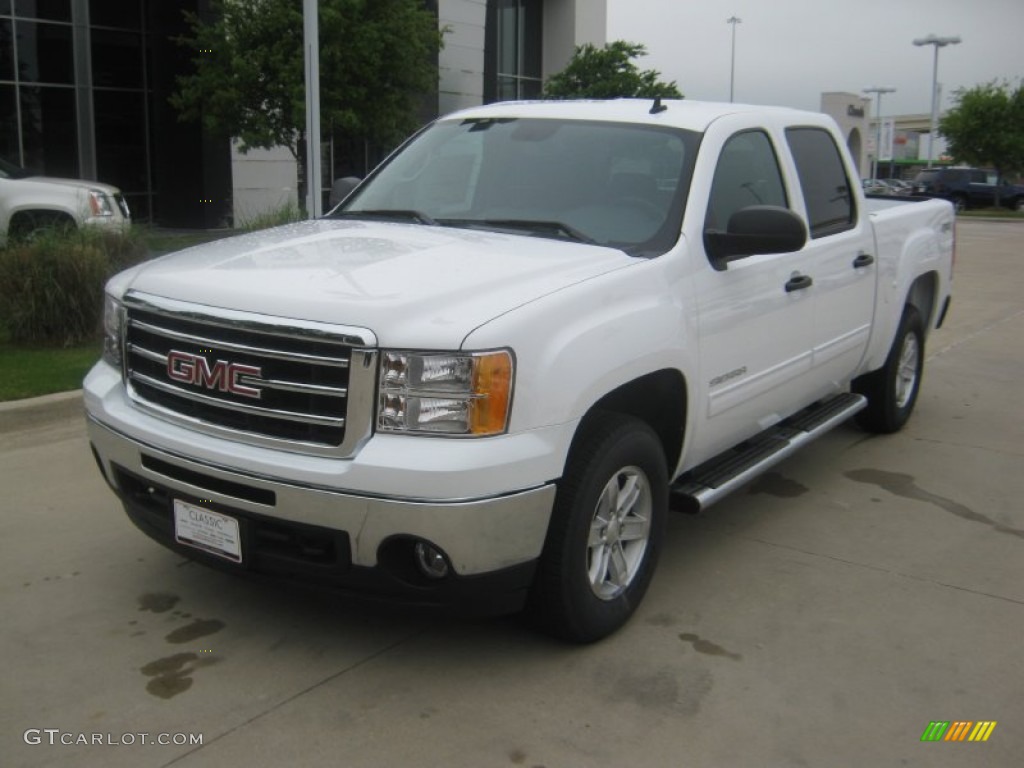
<point>892,390</point>
<point>606,531</point>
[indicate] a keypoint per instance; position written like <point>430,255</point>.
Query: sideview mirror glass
<point>757,229</point>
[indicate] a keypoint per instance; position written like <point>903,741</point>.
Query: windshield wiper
<point>388,213</point>
<point>531,226</point>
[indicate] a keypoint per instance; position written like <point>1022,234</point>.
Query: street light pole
<point>878,91</point>
<point>311,58</point>
<point>734,20</point>
<point>938,42</point>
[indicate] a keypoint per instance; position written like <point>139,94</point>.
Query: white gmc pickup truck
<point>481,379</point>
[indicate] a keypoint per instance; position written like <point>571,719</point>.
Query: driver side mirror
<point>342,188</point>
<point>757,229</point>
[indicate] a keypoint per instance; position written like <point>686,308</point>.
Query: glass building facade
<point>512,67</point>
<point>83,94</point>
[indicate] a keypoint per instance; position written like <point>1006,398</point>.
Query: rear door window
<point>826,187</point>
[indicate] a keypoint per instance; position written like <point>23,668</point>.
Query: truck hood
<point>412,285</point>
<point>77,183</point>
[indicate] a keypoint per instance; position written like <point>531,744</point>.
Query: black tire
<point>595,567</point>
<point>892,389</point>
<point>959,203</point>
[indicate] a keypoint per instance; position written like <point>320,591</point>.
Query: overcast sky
<point>789,51</point>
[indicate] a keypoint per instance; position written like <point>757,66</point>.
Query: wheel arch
<point>35,213</point>
<point>659,399</point>
<point>922,296</point>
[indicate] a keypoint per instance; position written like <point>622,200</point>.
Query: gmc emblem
<point>225,376</point>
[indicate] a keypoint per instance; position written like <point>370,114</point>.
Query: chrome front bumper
<point>478,536</point>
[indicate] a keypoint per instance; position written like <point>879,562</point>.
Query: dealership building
<point>897,142</point>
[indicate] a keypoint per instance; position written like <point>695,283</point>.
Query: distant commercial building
<point>851,111</point>
<point>904,138</point>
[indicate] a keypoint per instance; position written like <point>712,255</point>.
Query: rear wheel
<point>959,203</point>
<point>892,390</point>
<point>605,533</point>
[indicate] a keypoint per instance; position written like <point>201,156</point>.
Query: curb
<point>18,415</point>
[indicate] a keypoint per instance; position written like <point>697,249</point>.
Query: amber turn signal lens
<point>492,393</point>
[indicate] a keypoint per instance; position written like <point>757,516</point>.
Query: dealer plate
<point>207,530</point>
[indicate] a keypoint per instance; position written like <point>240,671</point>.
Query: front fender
<point>576,345</point>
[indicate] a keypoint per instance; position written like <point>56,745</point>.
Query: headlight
<point>449,394</point>
<point>99,203</point>
<point>113,330</point>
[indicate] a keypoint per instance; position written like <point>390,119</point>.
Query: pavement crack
<point>881,569</point>
<point>972,336</point>
<point>972,446</point>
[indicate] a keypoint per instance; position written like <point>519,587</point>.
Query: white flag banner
<point>888,134</point>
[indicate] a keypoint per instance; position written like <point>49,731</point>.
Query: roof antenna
<point>657,106</point>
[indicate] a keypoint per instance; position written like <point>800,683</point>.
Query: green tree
<point>608,73</point>
<point>986,127</point>
<point>377,62</point>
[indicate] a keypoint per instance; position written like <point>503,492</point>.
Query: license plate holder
<point>207,530</point>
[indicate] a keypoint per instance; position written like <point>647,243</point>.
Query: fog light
<point>430,561</point>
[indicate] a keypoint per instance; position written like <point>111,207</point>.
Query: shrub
<point>274,217</point>
<point>51,287</point>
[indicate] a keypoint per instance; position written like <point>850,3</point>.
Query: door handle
<point>798,283</point>
<point>863,260</point>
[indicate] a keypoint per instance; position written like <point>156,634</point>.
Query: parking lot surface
<point>822,616</point>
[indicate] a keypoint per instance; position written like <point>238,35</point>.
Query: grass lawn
<point>33,371</point>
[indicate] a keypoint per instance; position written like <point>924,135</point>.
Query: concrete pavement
<point>823,616</point>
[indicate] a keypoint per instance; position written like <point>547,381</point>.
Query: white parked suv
<point>29,203</point>
<point>481,378</point>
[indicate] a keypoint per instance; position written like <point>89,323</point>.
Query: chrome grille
<point>264,379</point>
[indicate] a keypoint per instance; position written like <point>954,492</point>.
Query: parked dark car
<point>968,188</point>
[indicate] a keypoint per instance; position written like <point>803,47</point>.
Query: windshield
<point>613,184</point>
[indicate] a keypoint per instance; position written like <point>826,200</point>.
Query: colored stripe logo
<point>958,730</point>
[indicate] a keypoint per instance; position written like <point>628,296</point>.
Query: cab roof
<point>678,113</point>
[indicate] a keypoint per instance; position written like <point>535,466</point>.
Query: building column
<point>83,90</point>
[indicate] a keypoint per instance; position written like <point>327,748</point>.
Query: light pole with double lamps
<point>938,42</point>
